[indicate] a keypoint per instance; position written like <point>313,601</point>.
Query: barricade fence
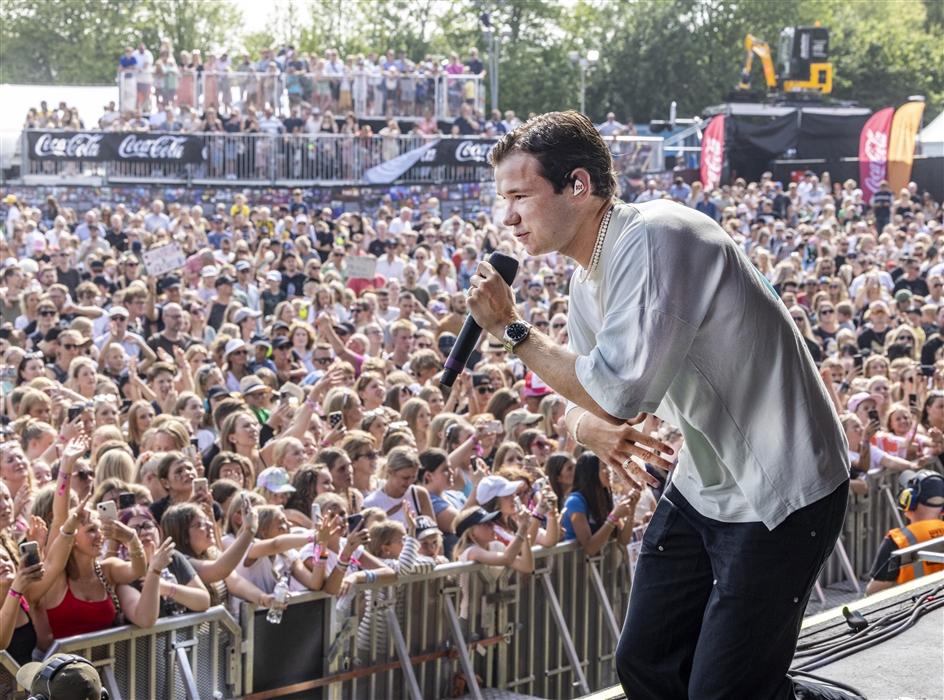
<point>367,95</point>
<point>268,159</point>
<point>550,634</point>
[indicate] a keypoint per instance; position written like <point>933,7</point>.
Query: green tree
<point>71,42</point>
<point>75,42</point>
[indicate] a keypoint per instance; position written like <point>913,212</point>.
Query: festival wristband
<point>19,596</point>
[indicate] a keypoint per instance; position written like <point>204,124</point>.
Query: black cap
<point>97,264</point>
<point>260,340</point>
<point>345,328</point>
<point>280,342</point>
<point>101,281</point>
<point>224,279</point>
<point>476,517</point>
<point>445,343</point>
<point>52,334</point>
<point>279,325</point>
<point>170,281</point>
<point>481,379</point>
<point>215,391</point>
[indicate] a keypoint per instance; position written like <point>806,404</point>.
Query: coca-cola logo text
<point>471,151</point>
<point>77,146</point>
<point>161,148</point>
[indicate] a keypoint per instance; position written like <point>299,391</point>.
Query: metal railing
<point>367,95</point>
<point>256,158</point>
<point>189,656</point>
<point>552,633</point>
<point>298,159</point>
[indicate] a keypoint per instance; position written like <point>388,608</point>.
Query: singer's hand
<point>491,302</point>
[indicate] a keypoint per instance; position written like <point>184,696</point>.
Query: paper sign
<point>361,267</point>
<point>160,261</point>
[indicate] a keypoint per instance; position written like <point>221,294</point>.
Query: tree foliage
<point>652,52</point>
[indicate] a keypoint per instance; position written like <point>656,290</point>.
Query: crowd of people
<point>289,92</point>
<point>263,415</point>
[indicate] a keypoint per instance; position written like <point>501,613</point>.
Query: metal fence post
<point>464,660</point>
<point>569,647</point>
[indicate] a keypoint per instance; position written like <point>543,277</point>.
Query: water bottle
<point>281,593</point>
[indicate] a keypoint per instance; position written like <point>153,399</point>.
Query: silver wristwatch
<point>515,334</point>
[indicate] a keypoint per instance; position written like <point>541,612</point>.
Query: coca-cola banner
<point>712,152</point>
<point>873,152</point>
<point>104,146</point>
<point>446,151</point>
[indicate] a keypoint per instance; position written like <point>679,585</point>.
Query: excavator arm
<point>754,45</point>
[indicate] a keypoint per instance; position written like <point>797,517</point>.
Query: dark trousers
<point>716,608</point>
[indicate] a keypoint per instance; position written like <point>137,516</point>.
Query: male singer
<point>667,316</point>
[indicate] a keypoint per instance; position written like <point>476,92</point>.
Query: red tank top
<point>73,616</point>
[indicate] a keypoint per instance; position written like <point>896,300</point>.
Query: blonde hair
<point>114,463</point>
<point>383,533</point>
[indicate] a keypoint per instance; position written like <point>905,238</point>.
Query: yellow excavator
<point>802,59</point>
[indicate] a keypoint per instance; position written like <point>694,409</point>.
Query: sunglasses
<point>131,263</point>
<point>485,390</point>
<point>558,326</point>
<point>541,444</point>
<point>542,324</point>
<point>238,352</point>
<point>373,454</point>
<point>82,475</point>
<point>825,312</point>
<point>322,360</point>
<point>69,347</point>
<point>47,313</point>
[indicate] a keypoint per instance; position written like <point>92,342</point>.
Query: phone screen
<point>125,500</point>
<point>335,419</point>
<point>200,485</point>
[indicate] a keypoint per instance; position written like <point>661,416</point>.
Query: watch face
<point>516,331</point>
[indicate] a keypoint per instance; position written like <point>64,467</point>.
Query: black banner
<point>459,151</point>
<point>109,146</point>
<point>445,151</point>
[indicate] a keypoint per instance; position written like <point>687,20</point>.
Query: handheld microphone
<point>469,336</point>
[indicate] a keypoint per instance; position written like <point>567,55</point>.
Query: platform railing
<point>367,95</point>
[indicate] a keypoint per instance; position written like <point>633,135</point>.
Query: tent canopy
<point>932,137</point>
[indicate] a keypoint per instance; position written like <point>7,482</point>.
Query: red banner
<point>873,152</point>
<point>712,152</point>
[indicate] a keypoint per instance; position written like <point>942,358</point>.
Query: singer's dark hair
<point>562,142</point>
<point>587,483</point>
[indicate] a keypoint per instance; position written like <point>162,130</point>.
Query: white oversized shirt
<point>675,321</point>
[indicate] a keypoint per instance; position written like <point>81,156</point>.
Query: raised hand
<point>163,555</point>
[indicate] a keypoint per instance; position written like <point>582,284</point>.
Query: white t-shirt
<point>677,322</point>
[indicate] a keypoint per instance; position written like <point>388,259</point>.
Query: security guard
<point>922,501</point>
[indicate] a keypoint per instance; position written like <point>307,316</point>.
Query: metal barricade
<point>188,656</point>
<point>552,633</point>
